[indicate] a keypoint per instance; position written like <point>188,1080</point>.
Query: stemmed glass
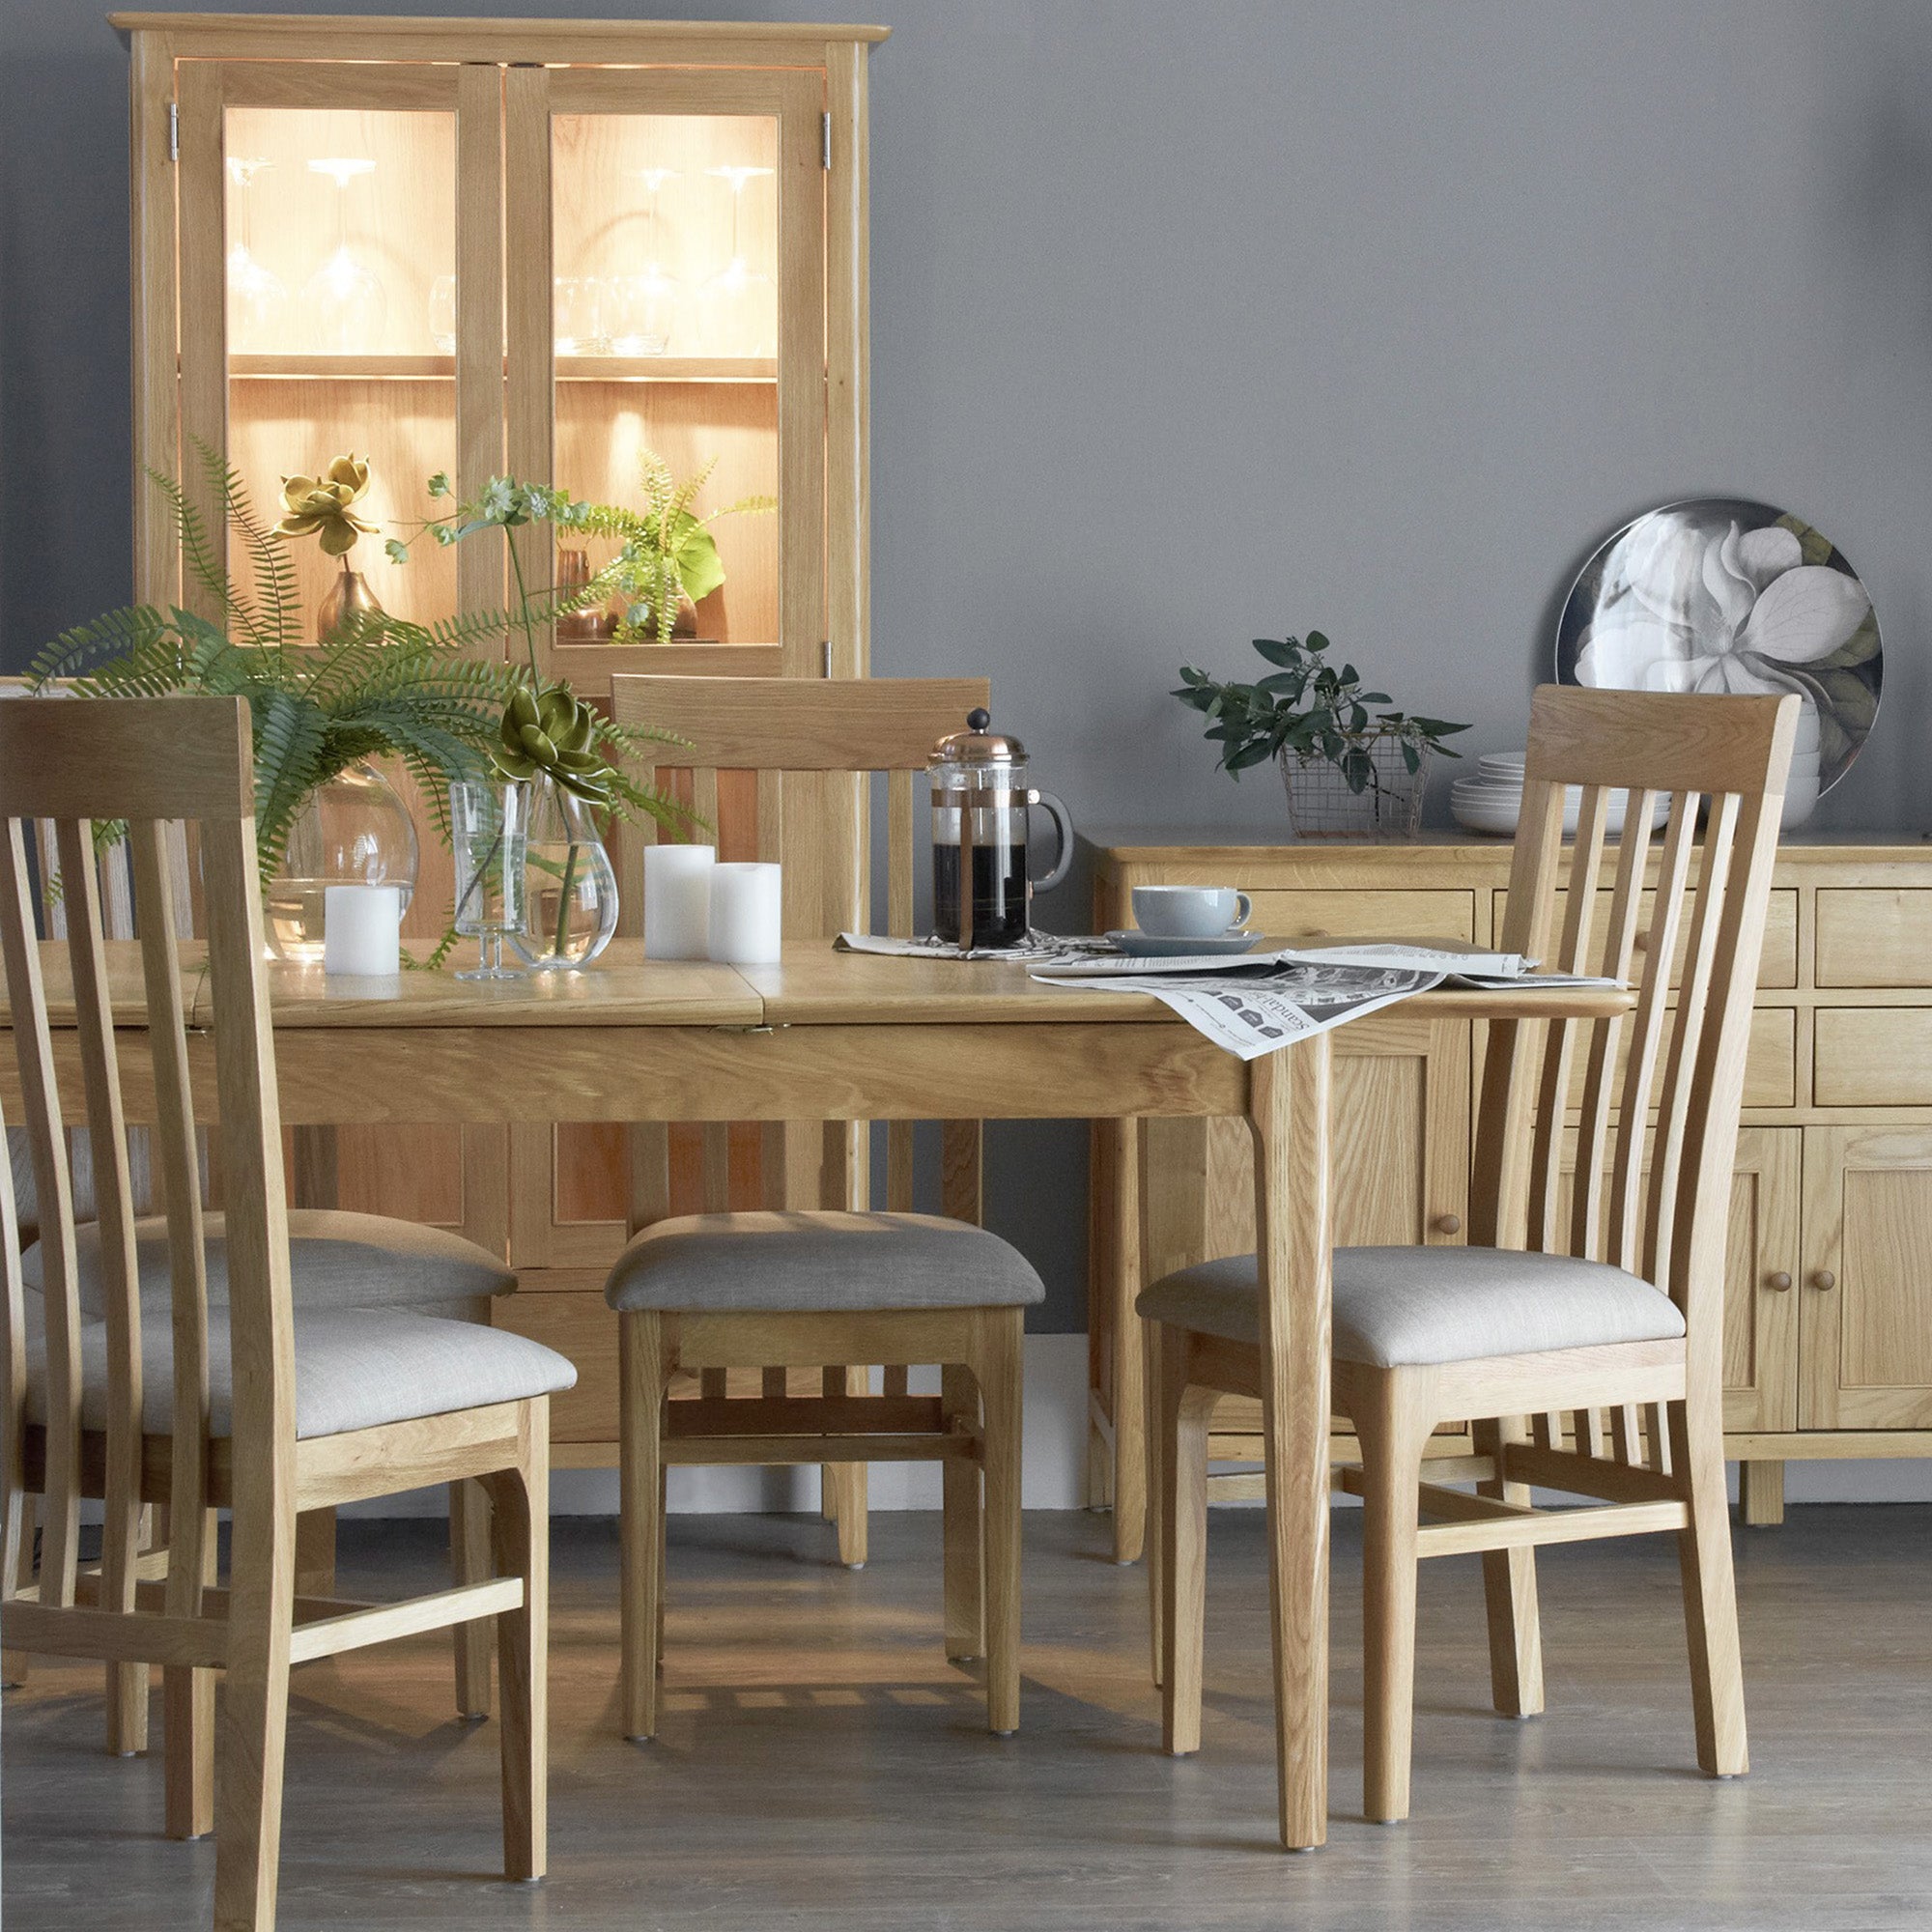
<point>742,298</point>
<point>487,827</point>
<point>646,301</point>
<point>257,298</point>
<point>344,299</point>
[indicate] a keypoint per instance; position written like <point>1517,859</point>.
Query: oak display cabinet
<point>1828,1312</point>
<point>528,248</point>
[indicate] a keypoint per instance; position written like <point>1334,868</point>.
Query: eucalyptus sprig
<point>1306,709</point>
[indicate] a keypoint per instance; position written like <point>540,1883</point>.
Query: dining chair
<point>815,1280</point>
<point>338,1258</point>
<point>1592,1285</point>
<point>204,1404</point>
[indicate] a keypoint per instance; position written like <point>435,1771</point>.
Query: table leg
<point>1288,1110</point>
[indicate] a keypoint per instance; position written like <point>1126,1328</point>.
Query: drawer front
<point>1771,1065</point>
<point>1365,915</point>
<point>1874,936</point>
<point>1777,968</point>
<point>1872,1057</point>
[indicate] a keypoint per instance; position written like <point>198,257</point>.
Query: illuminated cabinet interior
<point>490,248</point>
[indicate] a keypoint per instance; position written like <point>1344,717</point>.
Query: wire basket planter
<point>1324,804</point>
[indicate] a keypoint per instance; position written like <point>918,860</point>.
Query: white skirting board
<point>1056,1464</point>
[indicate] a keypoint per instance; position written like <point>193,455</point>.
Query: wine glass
<point>579,316</point>
<point>257,298</point>
<point>442,314</point>
<point>646,304</point>
<point>741,298</point>
<point>487,829</point>
<point>343,297</point>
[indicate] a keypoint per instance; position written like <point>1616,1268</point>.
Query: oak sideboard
<point>1827,1330</point>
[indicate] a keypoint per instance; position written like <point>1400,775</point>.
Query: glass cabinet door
<point>321,229</point>
<point>677,330</point>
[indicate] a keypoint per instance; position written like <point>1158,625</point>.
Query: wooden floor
<point>823,1769</point>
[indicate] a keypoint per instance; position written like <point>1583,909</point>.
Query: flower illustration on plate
<point>1730,597</point>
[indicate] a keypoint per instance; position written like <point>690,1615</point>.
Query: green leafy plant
<point>1307,710</point>
<point>382,687</point>
<point>666,548</point>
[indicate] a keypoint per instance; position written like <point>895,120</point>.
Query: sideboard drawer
<point>1365,915</point>
<point>1777,967</point>
<point>1874,936</point>
<point>1771,1062</point>
<point>1872,1057</point>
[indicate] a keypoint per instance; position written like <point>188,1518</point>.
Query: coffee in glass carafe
<point>981,802</point>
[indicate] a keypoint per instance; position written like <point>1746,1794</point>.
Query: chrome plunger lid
<point>977,745</point>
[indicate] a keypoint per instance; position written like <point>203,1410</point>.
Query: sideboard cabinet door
<point>1865,1289</point>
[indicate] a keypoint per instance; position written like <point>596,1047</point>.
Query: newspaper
<point>1252,1005</point>
<point>1257,1002</point>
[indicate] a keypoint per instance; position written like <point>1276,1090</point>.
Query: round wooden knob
<point>1642,941</point>
<point>1824,1278</point>
<point>1780,1281</point>
<point>1448,1224</point>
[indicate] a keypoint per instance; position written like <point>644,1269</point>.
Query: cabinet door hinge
<point>825,657</point>
<point>825,139</point>
<point>174,130</point>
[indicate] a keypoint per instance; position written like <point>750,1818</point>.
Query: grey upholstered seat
<point>810,1263</point>
<point>355,1369</point>
<point>337,1260</point>
<point>1402,1307</point>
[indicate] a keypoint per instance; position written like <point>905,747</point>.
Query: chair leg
<point>17,1574</point>
<point>1709,1590</point>
<point>315,1553</point>
<point>254,1718</point>
<point>188,1704</point>
<point>469,1562</point>
<point>645,1370</point>
<point>1392,1421</point>
<point>521,1539</point>
<point>998,1364</point>
<point>843,1485</point>
<point>1153,1454</point>
<point>1182,1423</point>
<point>962,1516</point>
<point>1509,1586</point>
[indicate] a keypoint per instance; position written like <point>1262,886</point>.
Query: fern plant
<point>380,687</point>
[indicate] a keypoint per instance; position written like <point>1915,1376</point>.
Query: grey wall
<point>1193,322</point>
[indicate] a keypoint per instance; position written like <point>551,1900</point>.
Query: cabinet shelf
<point>443,368</point>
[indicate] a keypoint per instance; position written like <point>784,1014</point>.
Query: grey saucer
<point>1161,946</point>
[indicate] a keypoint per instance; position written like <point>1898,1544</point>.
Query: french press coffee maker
<point>981,801</point>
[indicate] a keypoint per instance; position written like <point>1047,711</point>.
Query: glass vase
<point>570,886</point>
<point>354,829</point>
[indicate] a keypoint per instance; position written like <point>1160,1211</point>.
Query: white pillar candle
<point>677,900</point>
<point>360,929</point>
<point>746,915</point>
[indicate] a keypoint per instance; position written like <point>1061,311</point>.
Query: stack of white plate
<point>1489,799</point>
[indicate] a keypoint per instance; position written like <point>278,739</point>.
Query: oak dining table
<point>833,1037</point>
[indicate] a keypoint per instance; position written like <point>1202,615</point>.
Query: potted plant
<point>1349,771</point>
<point>380,688</point>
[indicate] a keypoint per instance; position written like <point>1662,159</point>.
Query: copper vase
<point>349,597</point>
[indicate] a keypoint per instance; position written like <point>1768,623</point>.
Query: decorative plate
<point>1722,594</point>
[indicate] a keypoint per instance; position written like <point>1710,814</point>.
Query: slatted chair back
<point>115,877</point>
<point>1635,1118</point>
<point>154,764</point>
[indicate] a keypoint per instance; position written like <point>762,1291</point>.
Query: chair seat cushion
<point>1410,1307</point>
<point>355,1369</point>
<point>812,1262</point>
<point>337,1260</point>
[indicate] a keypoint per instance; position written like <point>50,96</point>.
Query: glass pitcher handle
<point>1062,825</point>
